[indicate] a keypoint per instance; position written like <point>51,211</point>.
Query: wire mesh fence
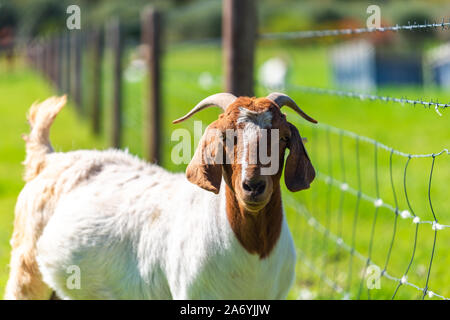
<point>350,234</point>
<point>335,183</point>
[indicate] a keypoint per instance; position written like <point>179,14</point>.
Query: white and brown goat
<point>136,231</point>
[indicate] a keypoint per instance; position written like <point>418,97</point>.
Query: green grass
<point>18,90</point>
<point>405,128</point>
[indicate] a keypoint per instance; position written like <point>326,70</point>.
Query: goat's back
<point>108,206</point>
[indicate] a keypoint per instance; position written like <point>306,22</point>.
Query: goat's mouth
<point>254,206</point>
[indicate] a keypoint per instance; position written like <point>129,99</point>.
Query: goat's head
<point>246,146</point>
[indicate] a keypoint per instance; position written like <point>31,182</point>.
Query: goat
<point>136,231</point>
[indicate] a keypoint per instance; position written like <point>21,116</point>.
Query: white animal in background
<point>273,72</point>
<point>136,231</point>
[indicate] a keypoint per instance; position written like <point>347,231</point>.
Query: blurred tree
<point>9,16</point>
<point>181,2</point>
<point>197,20</point>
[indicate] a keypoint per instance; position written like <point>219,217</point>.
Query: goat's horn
<point>284,100</point>
<point>222,100</point>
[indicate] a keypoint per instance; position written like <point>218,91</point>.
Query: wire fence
<point>365,96</point>
<point>317,219</point>
<point>343,187</point>
<point>338,32</point>
<point>318,259</point>
<point>329,33</point>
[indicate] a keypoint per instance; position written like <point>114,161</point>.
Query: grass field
<point>410,130</point>
<point>18,90</point>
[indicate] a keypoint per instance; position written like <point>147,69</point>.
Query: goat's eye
<point>285,139</point>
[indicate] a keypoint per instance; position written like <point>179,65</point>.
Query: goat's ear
<point>298,172</point>
<point>205,168</point>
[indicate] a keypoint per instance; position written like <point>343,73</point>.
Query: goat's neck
<point>257,232</point>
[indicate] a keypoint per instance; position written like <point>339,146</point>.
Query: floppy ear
<point>299,172</point>
<point>205,168</point>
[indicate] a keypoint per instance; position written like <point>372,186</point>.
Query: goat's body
<point>125,229</point>
<point>158,238</point>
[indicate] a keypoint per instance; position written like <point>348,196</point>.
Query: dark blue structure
<point>396,69</point>
<point>362,66</point>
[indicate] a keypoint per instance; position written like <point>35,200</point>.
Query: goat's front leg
<point>25,279</point>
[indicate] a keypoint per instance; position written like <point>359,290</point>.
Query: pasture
<point>19,89</point>
<point>409,129</point>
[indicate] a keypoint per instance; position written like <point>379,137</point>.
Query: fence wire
<point>344,288</point>
<point>338,32</point>
<point>365,96</point>
<point>293,35</point>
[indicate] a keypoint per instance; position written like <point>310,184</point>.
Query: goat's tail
<point>40,118</point>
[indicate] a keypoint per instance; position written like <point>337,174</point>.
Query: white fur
<point>253,123</point>
<point>139,232</point>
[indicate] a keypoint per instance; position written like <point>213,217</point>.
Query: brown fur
<point>256,232</point>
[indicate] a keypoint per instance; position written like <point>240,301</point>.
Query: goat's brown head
<point>233,147</point>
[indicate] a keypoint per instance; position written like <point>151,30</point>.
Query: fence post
<point>41,54</point>
<point>57,58</point>
<point>48,59</point>
<point>53,59</point>
<point>151,39</point>
<point>75,55</point>
<point>114,36</point>
<point>66,65</point>
<point>97,55</point>
<point>239,27</point>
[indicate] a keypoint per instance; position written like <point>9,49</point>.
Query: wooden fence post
<point>44,57</point>
<point>57,62</point>
<point>97,55</point>
<point>48,59</point>
<point>66,64</point>
<point>75,55</point>
<point>53,61</point>
<point>239,27</point>
<point>114,36</point>
<point>151,39</point>
<point>41,55</point>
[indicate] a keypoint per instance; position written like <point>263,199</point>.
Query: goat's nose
<point>254,187</point>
